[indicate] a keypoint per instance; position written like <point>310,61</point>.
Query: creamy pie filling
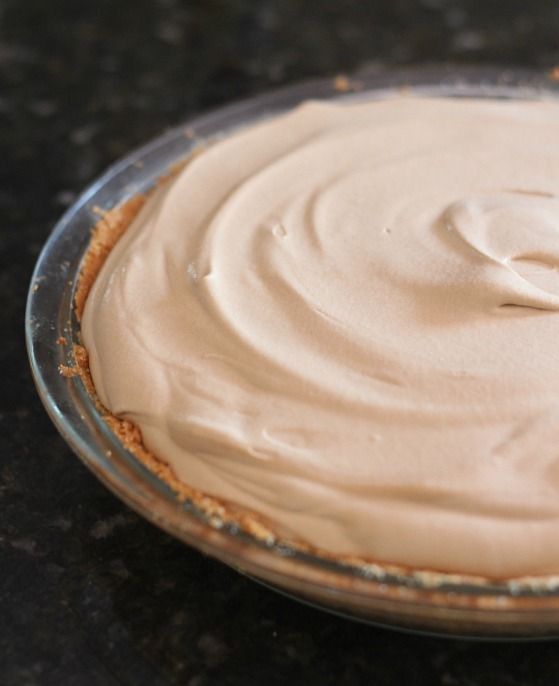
<point>346,318</point>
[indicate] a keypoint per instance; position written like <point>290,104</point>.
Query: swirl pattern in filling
<point>346,318</point>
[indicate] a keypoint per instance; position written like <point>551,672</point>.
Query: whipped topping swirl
<point>346,318</point>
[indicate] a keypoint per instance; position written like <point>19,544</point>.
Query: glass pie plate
<point>391,596</point>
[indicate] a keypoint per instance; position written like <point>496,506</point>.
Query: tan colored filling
<point>345,320</point>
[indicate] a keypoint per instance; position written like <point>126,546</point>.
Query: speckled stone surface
<point>90,594</point>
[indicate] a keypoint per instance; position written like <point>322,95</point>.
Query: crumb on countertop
<point>343,84</point>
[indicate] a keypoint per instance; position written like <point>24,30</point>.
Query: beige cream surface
<point>347,319</point>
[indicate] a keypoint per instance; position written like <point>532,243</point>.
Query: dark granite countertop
<point>90,594</point>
